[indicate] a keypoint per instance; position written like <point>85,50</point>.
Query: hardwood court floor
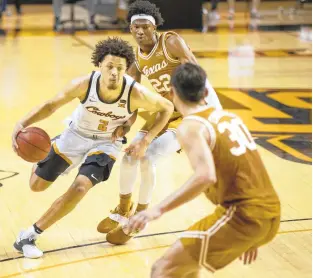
<point>263,77</point>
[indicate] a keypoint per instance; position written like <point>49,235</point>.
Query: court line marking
<point>82,42</point>
<point>117,254</point>
<point>140,236</point>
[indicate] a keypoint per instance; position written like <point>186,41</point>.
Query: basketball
<point>33,144</point>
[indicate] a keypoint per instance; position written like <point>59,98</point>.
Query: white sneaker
<point>26,244</point>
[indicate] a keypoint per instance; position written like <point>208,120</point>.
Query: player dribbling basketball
<point>109,101</point>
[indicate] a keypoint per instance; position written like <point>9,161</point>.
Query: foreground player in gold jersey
<point>228,169</point>
<point>157,55</point>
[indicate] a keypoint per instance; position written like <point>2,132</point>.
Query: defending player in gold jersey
<point>157,55</point>
<point>228,169</point>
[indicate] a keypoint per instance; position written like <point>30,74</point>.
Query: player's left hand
<point>249,256</point>
<point>137,149</point>
<point>119,132</point>
<point>139,221</point>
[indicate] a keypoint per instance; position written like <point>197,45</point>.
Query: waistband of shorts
<point>90,136</point>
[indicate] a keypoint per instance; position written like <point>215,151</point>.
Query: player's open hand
<point>119,132</point>
<point>139,221</point>
<point>137,149</point>
<point>249,256</point>
<point>18,128</point>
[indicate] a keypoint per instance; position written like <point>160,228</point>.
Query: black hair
<point>145,7</point>
<point>113,46</point>
<point>189,82</point>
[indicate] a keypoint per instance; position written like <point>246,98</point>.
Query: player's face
<point>143,31</point>
<point>112,70</point>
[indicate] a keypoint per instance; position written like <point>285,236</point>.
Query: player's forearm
<point>128,124</point>
<point>159,124</point>
<point>131,120</point>
<point>37,114</point>
<point>197,184</point>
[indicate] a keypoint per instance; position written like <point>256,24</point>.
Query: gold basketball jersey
<point>241,176</point>
<point>157,66</point>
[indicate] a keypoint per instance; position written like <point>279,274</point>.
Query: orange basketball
<point>33,144</point>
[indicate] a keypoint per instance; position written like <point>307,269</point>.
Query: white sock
<point>148,180</point>
<point>128,170</point>
<point>30,232</point>
<point>163,146</point>
<point>128,174</point>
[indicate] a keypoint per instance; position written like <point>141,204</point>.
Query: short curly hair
<point>145,7</point>
<point>113,46</point>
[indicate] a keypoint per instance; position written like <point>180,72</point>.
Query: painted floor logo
<point>280,120</point>
<point>6,175</point>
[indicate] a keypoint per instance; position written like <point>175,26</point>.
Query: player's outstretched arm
<point>76,89</point>
<point>193,137</point>
<point>134,72</point>
<point>143,98</point>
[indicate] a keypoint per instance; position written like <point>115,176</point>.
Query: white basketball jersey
<point>94,117</point>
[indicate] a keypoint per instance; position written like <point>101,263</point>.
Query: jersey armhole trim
<point>137,66</point>
<point>128,98</point>
<point>89,86</point>
<point>165,50</point>
<point>209,128</point>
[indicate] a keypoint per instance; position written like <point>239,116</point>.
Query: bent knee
<point>129,161</point>
<point>81,185</point>
<point>80,189</point>
<point>159,268</point>
<point>38,184</point>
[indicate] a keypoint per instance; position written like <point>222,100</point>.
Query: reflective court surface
<point>264,77</point>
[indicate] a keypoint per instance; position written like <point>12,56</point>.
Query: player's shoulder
<point>190,126</point>
<point>128,78</point>
<point>172,39</point>
<point>83,81</point>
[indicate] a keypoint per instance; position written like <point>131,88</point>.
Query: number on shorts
<point>103,125</point>
<point>161,84</point>
<point>238,133</point>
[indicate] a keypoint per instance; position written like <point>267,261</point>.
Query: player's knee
<point>80,187</point>
<point>128,161</point>
<point>38,184</point>
<point>154,270</point>
<point>147,161</point>
<point>157,269</point>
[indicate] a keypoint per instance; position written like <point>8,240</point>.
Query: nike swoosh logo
<point>92,100</point>
<point>92,175</point>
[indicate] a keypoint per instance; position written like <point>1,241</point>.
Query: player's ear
<point>205,93</point>
<point>171,92</point>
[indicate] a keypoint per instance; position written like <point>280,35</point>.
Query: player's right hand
<point>119,132</point>
<point>18,128</point>
<point>249,256</point>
